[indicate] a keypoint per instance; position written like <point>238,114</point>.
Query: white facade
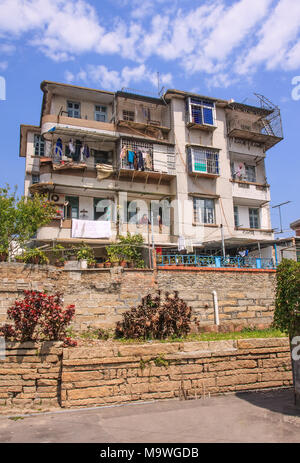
<point>204,161</point>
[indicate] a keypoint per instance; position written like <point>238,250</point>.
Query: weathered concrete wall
<point>30,376</point>
<point>110,373</point>
<point>245,297</point>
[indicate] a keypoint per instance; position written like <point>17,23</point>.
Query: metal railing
<point>192,260</point>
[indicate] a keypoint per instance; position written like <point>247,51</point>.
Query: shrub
<point>85,252</point>
<point>287,301</point>
<point>156,318</point>
<point>128,249</point>
<point>35,256</point>
<point>38,317</point>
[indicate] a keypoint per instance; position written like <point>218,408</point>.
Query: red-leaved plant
<point>156,318</point>
<point>38,316</point>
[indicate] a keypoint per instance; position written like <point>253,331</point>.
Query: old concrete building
<point>194,166</point>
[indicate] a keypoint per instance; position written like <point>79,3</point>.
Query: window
<point>72,209</point>
<point>102,209</point>
<point>132,214</point>
<point>73,109</point>
<point>201,111</point>
<point>250,174</point>
<point>35,178</point>
<point>203,160</point>
<point>236,217</point>
<point>101,113</point>
<point>128,116</point>
<point>39,145</point>
<point>102,157</point>
<point>204,210</point>
<point>254,218</point>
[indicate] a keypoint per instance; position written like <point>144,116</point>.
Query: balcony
<point>259,131</point>
<point>250,193</point>
<point>203,162</point>
<point>76,128</point>
<point>142,115</point>
<point>146,161</point>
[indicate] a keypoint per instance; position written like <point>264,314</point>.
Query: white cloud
<point>221,40</point>
<point>107,79</point>
<point>275,39</point>
<point>3,65</point>
<point>7,48</point>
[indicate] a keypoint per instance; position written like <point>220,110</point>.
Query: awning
<point>87,135</point>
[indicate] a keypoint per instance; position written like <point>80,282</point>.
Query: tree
<point>20,218</point>
<point>287,313</point>
<point>287,302</point>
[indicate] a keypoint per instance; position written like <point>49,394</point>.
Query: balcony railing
<point>190,260</point>
<point>260,131</point>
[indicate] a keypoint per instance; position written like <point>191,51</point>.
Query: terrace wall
<point>245,297</point>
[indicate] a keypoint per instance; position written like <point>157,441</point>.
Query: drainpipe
<point>216,308</point>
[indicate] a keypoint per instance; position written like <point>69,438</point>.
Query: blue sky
<point>221,48</point>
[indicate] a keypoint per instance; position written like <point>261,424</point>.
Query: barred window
<point>204,210</point>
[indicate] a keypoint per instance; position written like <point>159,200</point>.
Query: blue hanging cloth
<point>59,147</point>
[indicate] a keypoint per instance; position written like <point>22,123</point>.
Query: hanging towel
<point>181,243</point>
<point>86,151</point>
<point>82,154</point>
<point>189,246</point>
<point>130,156</point>
<point>91,229</point>
<point>123,153</point>
<point>59,147</point>
<point>141,161</point>
<point>71,147</point>
<point>76,155</point>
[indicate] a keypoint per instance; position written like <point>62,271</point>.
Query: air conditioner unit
<point>55,198</point>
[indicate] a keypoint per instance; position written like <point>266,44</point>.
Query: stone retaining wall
<point>36,377</point>
<point>245,296</point>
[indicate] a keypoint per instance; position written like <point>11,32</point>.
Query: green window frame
<point>72,210</point>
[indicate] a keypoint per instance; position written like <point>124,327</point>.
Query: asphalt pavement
<point>248,417</point>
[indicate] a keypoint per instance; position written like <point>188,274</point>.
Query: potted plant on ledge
<point>91,262</point>
<point>35,256</point>
<point>84,254</point>
<point>58,251</point>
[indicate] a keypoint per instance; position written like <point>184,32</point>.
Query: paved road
<point>247,417</point>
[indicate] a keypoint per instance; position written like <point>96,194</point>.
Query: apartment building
<point>192,166</point>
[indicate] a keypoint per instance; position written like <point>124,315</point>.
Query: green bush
<point>287,302</point>
<point>35,256</point>
<point>85,253</point>
<point>128,249</point>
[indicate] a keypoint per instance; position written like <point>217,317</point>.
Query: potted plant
<point>83,254</point>
<point>107,264</point>
<point>35,256</point>
<point>91,262</point>
<point>114,261</point>
<point>60,262</point>
<point>3,253</point>
<point>123,263</point>
<point>100,264</point>
<point>58,251</point>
